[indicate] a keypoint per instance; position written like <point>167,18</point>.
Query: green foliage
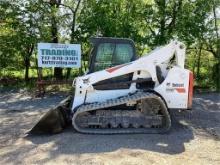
<point>148,22</point>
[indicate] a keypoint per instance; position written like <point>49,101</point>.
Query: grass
<point>11,79</point>
<point>47,73</point>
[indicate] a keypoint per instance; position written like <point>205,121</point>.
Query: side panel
<point>174,88</point>
<point>85,92</point>
<point>103,95</point>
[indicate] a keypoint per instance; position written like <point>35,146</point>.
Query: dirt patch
<point>194,138</point>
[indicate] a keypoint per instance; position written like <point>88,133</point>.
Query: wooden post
<point>40,83</point>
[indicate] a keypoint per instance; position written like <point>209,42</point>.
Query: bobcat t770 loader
<point>124,94</point>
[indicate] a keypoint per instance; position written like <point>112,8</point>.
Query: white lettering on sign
<point>59,55</point>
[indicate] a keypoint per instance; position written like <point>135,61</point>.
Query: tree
<point>147,22</point>
<point>19,21</point>
<point>54,7</point>
<point>73,7</point>
<point>215,48</point>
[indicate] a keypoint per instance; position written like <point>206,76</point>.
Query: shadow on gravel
<point>70,142</point>
<point>24,101</point>
<point>205,116</point>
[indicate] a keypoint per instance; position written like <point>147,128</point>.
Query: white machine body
<point>175,89</point>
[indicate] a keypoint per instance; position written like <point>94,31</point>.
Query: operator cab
<point>109,52</point>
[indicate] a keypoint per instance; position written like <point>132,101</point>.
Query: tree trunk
<point>72,36</point>
<point>68,73</point>
<point>162,11</point>
<point>194,62</point>
<point>217,70</point>
<point>217,66</point>
<point>58,72</point>
<point>198,63</point>
<point>28,53</point>
<point>84,65</point>
<point>27,65</point>
<point>81,70</point>
<point>176,9</point>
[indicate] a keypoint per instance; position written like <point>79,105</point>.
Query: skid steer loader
<point>122,93</point>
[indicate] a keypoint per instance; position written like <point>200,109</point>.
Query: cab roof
<point>98,40</point>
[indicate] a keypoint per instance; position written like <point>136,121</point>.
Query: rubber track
<point>118,101</point>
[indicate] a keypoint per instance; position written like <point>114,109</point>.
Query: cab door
<point>109,53</point>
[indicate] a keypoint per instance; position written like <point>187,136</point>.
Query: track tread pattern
<point>119,101</point>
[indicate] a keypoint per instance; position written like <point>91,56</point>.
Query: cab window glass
<point>123,54</point>
<point>111,54</point>
<point>104,56</point>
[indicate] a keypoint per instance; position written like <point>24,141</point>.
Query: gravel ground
<point>193,139</point>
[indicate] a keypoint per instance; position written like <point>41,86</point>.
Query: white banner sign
<point>59,55</point>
